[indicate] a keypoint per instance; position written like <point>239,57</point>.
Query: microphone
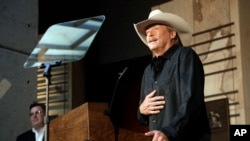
<point>121,74</point>
<point>111,109</point>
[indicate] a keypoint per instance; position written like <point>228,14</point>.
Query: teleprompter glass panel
<point>65,42</point>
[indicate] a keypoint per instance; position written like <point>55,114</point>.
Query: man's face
<point>37,117</point>
<point>159,37</point>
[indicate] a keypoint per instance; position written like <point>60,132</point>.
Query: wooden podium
<point>88,122</point>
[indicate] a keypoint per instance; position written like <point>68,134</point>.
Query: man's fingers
<point>154,112</point>
<point>159,103</point>
<point>150,95</point>
<point>150,133</point>
<point>157,135</point>
<point>158,98</point>
<point>156,107</point>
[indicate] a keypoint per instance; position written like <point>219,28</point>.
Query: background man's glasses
<point>35,113</point>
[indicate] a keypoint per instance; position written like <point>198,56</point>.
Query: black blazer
<point>27,136</point>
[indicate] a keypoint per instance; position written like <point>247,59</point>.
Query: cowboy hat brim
<point>172,20</point>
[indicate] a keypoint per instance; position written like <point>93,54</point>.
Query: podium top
<point>65,42</point>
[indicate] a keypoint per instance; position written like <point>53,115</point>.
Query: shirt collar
<point>167,54</point>
<point>40,131</point>
<point>170,51</point>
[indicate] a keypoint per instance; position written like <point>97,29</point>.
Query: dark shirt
<point>177,75</point>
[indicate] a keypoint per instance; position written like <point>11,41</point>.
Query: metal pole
<point>46,119</point>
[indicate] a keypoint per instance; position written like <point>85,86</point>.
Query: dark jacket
<point>178,75</point>
<point>27,136</point>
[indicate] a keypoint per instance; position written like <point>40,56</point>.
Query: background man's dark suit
<point>27,136</point>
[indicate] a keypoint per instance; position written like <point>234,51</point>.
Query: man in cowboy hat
<point>172,88</point>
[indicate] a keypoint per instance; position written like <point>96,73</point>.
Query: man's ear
<point>173,34</point>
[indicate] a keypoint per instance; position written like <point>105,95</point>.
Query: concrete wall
<point>18,36</point>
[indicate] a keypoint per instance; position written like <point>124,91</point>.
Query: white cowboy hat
<point>172,20</point>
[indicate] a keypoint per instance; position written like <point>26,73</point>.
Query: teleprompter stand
<point>47,73</point>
